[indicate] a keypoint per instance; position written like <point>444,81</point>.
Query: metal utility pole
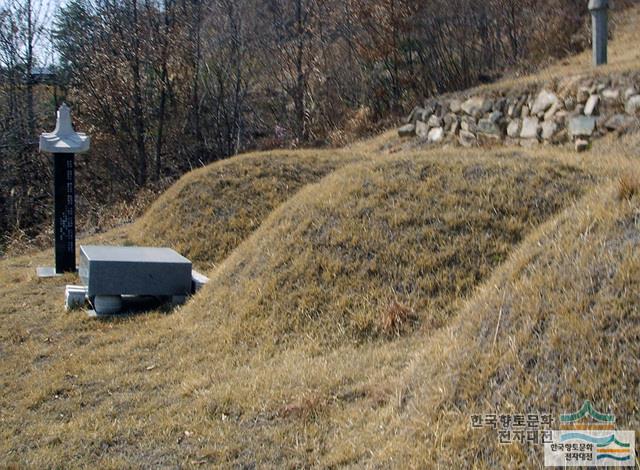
<point>599,20</point>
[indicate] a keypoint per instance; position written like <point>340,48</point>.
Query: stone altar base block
<point>140,271</point>
<point>74,297</point>
<point>198,281</point>
<point>46,272</point>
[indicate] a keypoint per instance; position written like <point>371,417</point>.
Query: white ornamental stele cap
<point>598,4</point>
<point>64,139</point>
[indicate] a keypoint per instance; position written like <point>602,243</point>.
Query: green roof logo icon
<point>587,409</point>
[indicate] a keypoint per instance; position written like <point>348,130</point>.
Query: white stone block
<point>592,105</point>
<point>74,296</point>
<point>530,128</point>
<point>514,127</point>
<point>422,129</point>
<point>543,102</point>
<point>436,134</point>
<point>198,281</point>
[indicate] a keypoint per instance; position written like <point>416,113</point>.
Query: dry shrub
<point>397,319</point>
<point>628,185</point>
<point>19,242</point>
<point>358,124</point>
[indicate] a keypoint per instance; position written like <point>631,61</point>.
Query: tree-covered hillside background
<point>164,86</point>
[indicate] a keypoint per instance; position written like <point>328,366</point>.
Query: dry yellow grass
<point>557,325</point>
<point>421,230</point>
<point>211,210</point>
<point>181,389</point>
<point>364,306</point>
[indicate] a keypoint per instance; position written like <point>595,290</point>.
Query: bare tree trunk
<point>163,93</point>
<point>138,112</point>
<point>513,32</point>
<point>238,46</point>
<point>299,94</point>
<point>161,117</point>
<point>197,124</point>
<point>31,119</point>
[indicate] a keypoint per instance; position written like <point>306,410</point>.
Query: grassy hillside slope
<point>208,212</point>
<point>379,248</point>
<point>272,366</point>
<point>557,325</point>
<point>363,305</point>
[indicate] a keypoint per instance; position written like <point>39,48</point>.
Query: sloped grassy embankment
<point>358,322</point>
<point>380,247</point>
<point>556,325</point>
<point>208,212</point>
<point>306,331</point>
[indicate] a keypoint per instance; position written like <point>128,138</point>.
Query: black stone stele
<point>63,143</point>
<point>65,214</point>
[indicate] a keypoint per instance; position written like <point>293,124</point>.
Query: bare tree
<point>21,168</point>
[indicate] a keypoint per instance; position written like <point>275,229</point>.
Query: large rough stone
<point>419,114</point>
<point>408,130</point>
<point>620,122</point>
<point>543,102</point>
<point>514,127</point>
<point>455,106</point>
<point>633,106</point>
<point>469,124</point>
<point>435,121</point>
<point>581,126</point>
<point>422,129</point>
<point>424,113</point>
<point>477,106</point>
<point>467,139</point>
<point>611,95</point>
<point>449,119</point>
<point>525,112</point>
<point>530,128</point>
<point>487,105</point>
<point>551,112</point>
<point>495,117</point>
<point>549,130</point>
<point>455,126</point>
<point>487,126</point>
<point>413,115</point>
<point>629,92</point>
<point>591,107</point>
<point>436,134</point>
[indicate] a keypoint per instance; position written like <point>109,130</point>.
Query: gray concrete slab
<point>130,270</point>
